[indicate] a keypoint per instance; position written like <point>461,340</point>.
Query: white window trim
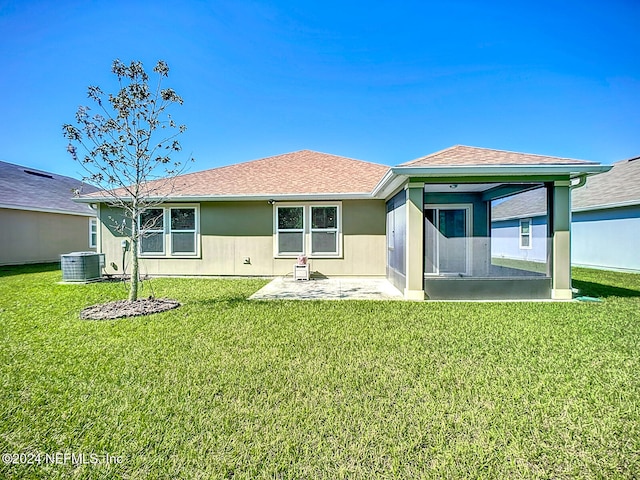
<point>278,230</point>
<point>166,233</point>
<point>144,232</point>
<point>171,231</point>
<point>324,230</point>
<point>307,230</point>
<point>93,230</point>
<point>521,235</point>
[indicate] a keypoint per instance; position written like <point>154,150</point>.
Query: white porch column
<point>414,289</point>
<point>561,241</point>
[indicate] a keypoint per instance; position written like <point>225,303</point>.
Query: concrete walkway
<point>328,289</point>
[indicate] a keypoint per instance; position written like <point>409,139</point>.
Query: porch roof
<point>472,165</point>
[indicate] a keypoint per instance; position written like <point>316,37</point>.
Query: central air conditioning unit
<point>81,266</point>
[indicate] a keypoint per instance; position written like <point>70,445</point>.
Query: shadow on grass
<point>601,290</point>
<point>11,270</point>
<point>226,300</point>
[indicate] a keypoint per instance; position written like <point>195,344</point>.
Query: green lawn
<point>228,388</point>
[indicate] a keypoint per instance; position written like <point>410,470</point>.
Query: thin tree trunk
<point>133,288</point>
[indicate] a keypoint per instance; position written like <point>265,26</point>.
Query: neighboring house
<point>605,222</point>
<point>39,221</point>
<point>423,224</point>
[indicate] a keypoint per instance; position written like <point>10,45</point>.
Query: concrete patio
<point>335,288</point>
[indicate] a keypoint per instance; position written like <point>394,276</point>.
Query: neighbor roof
<point>302,173</point>
<point>461,155</point>
<point>618,187</point>
<point>27,188</point>
<point>532,203</point>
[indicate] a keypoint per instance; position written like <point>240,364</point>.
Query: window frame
<point>522,235</point>
<point>93,232</point>
<point>278,230</point>
<point>307,231</point>
<point>143,232</point>
<point>167,241</point>
<point>194,231</point>
<point>313,230</point>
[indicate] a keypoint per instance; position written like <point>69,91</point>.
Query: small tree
<point>126,149</point>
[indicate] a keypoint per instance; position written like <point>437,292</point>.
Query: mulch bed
<point>126,308</point>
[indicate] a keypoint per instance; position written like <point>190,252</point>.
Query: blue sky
<point>380,81</point>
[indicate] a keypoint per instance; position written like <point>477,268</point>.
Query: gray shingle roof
<point>618,186</point>
<point>470,156</point>
<point>29,188</point>
<point>303,173</point>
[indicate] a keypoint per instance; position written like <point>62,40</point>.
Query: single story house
<point>423,224</point>
<point>605,222</point>
<point>39,221</point>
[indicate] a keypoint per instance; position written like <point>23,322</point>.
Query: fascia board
<point>501,170</point>
<point>297,197</point>
<point>46,210</point>
<point>390,183</point>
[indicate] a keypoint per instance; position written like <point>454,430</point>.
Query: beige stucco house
<point>424,224</point>
<point>39,221</point>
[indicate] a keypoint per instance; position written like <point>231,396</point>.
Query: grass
<point>528,265</point>
<point>228,388</point>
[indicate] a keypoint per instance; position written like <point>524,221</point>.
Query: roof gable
<point>30,189</point>
<point>461,155</point>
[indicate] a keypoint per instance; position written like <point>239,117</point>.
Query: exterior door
<point>447,242</point>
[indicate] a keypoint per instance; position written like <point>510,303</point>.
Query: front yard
<point>223,387</point>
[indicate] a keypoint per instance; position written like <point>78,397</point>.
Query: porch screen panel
<point>445,241</point>
<point>453,250</point>
<point>430,241</point>
<point>397,233</point>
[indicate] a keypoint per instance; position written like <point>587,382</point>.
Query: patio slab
<point>328,289</point>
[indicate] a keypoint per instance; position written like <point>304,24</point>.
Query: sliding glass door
<point>446,239</point>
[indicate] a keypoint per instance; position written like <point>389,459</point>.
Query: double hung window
<point>169,231</point>
<point>307,230</point>
<point>324,230</point>
<point>525,233</point>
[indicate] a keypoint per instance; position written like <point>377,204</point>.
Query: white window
<point>307,229</point>
<point>169,231</point>
<point>93,233</point>
<point>525,233</point>
<point>290,227</point>
<point>152,232</point>
<point>324,230</point>
<point>183,231</point>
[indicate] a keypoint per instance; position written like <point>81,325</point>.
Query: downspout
<point>582,179</point>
